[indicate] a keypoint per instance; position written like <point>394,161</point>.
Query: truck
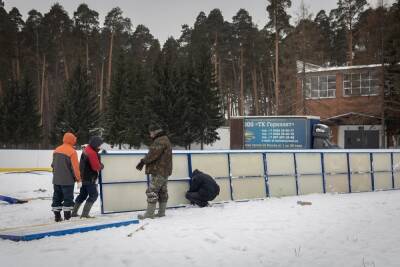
<point>279,132</point>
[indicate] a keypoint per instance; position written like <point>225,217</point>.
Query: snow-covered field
<point>336,230</point>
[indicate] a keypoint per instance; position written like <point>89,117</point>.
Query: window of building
<point>364,83</point>
<point>320,86</point>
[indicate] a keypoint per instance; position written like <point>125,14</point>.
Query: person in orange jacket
<point>65,173</point>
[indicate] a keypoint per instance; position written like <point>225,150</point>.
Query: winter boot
<point>57,216</point>
<point>67,215</point>
<point>86,210</point>
<point>151,207</point>
<point>75,209</point>
<point>161,209</point>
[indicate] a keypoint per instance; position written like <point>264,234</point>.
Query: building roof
<point>352,118</point>
<point>323,69</point>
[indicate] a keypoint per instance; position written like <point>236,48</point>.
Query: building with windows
<point>348,99</point>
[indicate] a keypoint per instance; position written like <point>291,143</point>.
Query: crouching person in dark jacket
<point>90,166</point>
<point>203,188</point>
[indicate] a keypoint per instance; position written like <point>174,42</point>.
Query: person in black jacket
<point>203,188</point>
<point>90,166</point>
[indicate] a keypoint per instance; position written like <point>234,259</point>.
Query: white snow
<point>361,229</point>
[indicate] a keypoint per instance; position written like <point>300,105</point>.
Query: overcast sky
<point>165,17</point>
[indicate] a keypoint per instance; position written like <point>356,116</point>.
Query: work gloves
<point>140,165</point>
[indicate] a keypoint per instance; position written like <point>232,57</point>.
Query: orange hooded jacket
<point>65,162</point>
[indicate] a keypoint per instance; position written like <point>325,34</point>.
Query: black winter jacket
<point>89,173</point>
<point>204,184</point>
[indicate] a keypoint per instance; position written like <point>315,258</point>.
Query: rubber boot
<point>161,209</point>
<point>67,215</point>
<point>151,207</point>
<point>75,209</point>
<point>86,210</point>
<point>57,216</point>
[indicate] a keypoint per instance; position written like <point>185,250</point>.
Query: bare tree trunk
<point>38,68</point>
<point>241,102</point>
<point>383,124</point>
<point>234,85</point>
<point>277,85</point>
<point>101,87</point>
<point>87,55</point>
<point>255,91</point>
<point>47,112</point>
<point>17,66</point>
<point>264,90</point>
<point>42,92</point>
<point>350,46</point>
<point>65,62</point>
<point>272,91</point>
<point>108,83</point>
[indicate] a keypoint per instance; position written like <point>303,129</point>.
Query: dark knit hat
<point>95,141</point>
<point>154,127</point>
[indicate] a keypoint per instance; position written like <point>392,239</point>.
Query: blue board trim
<point>392,169</point>
<point>371,169</point>
<point>323,173</point>
<point>348,171</point>
<point>84,229</point>
<point>296,174</point>
<point>230,175</point>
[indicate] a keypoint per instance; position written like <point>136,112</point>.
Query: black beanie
<point>154,127</point>
<point>95,141</point>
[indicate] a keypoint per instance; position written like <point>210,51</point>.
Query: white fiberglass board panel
<point>280,163</point>
<point>382,162</point>
<point>310,184</point>
<point>215,165</point>
<point>180,168</point>
<point>121,168</point>
<point>282,186</point>
<point>243,164</point>
<point>124,197</point>
<point>308,163</point>
<point>338,183</point>
<point>396,162</point>
<point>359,162</point>
<point>361,182</point>
<point>396,180</point>
<point>224,190</point>
<point>383,180</point>
<point>396,169</point>
<point>176,193</point>
<point>248,188</point>
<point>335,163</point>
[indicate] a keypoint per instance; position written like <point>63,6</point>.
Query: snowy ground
<point>336,230</point>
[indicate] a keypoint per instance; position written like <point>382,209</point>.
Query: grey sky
<point>165,17</point>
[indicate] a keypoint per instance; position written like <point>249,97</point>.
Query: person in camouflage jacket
<point>158,163</point>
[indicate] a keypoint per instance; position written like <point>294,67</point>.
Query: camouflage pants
<point>157,190</point>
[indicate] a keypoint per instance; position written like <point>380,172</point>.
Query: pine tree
<point>339,41</point>
<point>11,114</point>
<point>203,102</point>
<point>116,117</point>
<point>29,117</point>
<point>348,12</point>
<point>77,110</point>
<point>279,22</point>
<point>136,108</point>
<point>20,118</point>
<point>167,101</point>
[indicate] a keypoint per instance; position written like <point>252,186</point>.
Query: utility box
<point>272,132</point>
